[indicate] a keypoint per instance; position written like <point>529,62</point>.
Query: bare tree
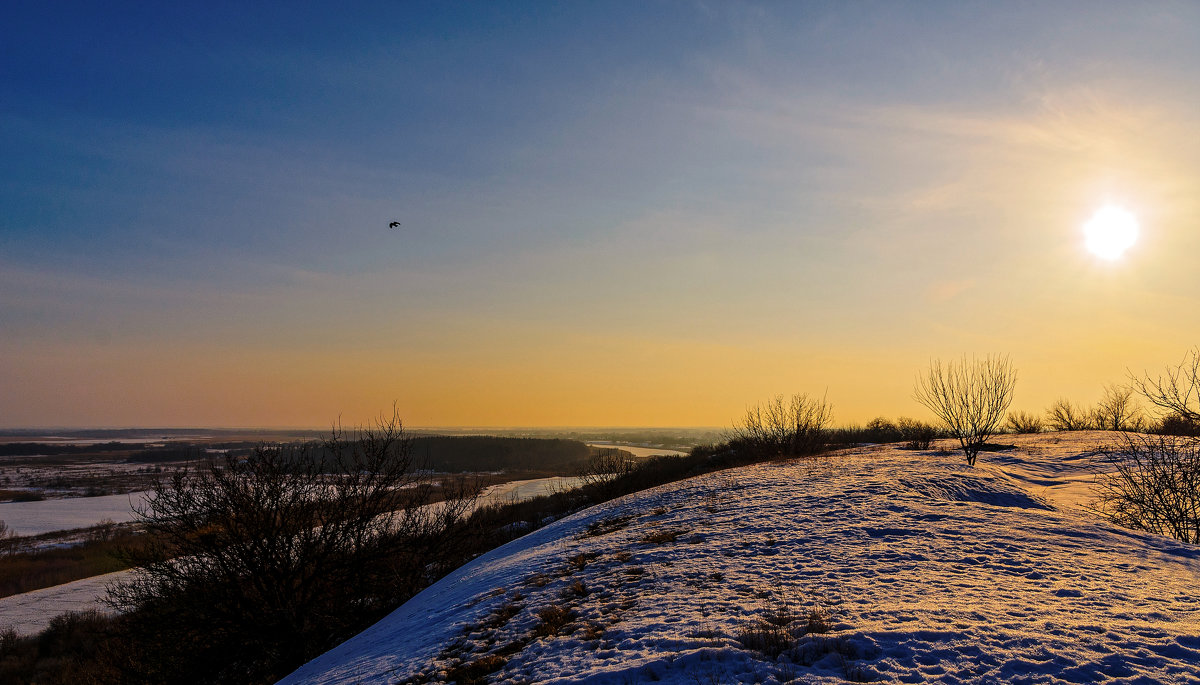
<point>606,466</point>
<point>1151,483</point>
<point>970,396</point>
<point>1117,409</point>
<point>785,427</point>
<point>1177,393</point>
<point>1065,416</point>
<point>255,565</point>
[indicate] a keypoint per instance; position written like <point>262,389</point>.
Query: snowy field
<point>877,563</point>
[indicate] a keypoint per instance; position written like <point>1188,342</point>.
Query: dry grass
<point>659,537</point>
<point>27,571</point>
<point>538,580</point>
<point>476,671</point>
<point>779,628</point>
<point>574,590</point>
<point>552,619</point>
<point>608,525</point>
<point>502,615</point>
<point>577,562</point>
<point>593,631</point>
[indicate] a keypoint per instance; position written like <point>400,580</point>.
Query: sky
<point>613,213</point>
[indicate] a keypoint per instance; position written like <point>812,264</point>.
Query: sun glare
<point>1110,232</point>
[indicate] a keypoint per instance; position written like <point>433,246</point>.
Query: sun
<point>1110,232</point>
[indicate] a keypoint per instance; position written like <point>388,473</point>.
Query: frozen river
<point>47,516</point>
<point>640,451</point>
<point>31,612</point>
<point>35,518</point>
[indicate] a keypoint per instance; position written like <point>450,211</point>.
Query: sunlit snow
<point>929,571</point>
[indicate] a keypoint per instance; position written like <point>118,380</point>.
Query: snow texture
<point>876,563</point>
<point>30,613</point>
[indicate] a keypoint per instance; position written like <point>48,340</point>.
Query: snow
<point>30,613</point>
<point>923,570</point>
<point>48,516</point>
<point>638,451</point>
<point>518,490</point>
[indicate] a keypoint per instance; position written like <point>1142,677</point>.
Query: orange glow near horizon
<point>654,234</point>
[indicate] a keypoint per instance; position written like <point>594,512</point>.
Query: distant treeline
<point>486,453</point>
<point>454,454</point>
<point>24,449</point>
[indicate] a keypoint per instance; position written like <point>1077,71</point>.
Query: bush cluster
<point>913,433</point>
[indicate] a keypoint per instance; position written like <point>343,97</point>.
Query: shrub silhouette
<point>784,427</point>
<point>255,565</point>
<point>1023,422</point>
<point>1064,416</point>
<point>1151,483</point>
<point>1177,392</point>
<point>1117,410</point>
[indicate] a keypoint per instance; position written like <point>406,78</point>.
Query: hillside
<point>871,564</point>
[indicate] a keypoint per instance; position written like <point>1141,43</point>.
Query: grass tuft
<point>552,619</point>
<point>659,537</point>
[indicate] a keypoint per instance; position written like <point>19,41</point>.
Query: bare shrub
<point>1177,392</point>
<point>1065,416</point>
<point>1023,422</point>
<point>917,435</point>
<point>103,531</point>
<point>1151,483</point>
<point>881,430</point>
<point>605,467</point>
<point>8,537</point>
<point>784,426</point>
<point>1174,424</point>
<point>970,396</point>
<point>1117,410</point>
<point>253,566</point>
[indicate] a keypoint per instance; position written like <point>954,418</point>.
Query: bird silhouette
<point>394,224</point>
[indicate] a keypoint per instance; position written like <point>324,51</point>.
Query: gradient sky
<point>614,213</point>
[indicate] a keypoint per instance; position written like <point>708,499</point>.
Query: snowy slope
<point>919,568</point>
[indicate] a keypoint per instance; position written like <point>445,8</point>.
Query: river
<point>48,516</point>
<point>640,451</point>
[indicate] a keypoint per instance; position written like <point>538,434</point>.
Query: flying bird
<point>394,224</point>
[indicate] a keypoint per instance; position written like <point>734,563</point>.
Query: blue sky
<point>613,213</point>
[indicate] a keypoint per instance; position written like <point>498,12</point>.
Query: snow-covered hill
<point>876,563</point>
